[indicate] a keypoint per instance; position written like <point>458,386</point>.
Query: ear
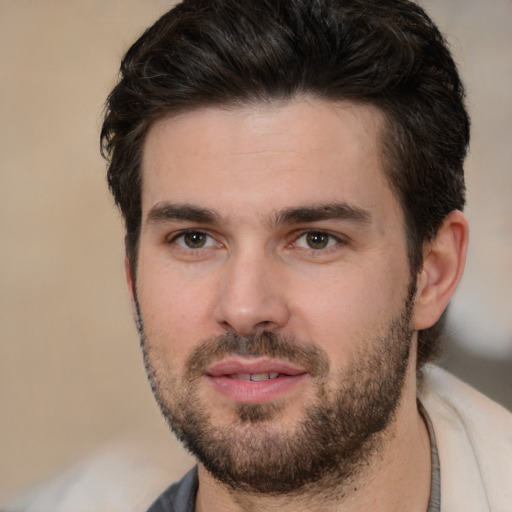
<point>443,264</point>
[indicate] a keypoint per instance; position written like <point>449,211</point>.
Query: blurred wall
<point>70,370</point>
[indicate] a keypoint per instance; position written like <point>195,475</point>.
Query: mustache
<point>263,344</point>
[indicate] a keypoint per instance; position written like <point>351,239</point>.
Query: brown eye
<point>317,240</point>
<point>194,240</point>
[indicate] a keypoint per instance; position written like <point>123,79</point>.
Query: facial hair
<point>339,432</point>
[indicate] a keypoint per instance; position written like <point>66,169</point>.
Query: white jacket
<point>474,442</point>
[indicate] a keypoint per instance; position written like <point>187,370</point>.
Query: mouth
<point>255,377</point>
<point>246,381</point>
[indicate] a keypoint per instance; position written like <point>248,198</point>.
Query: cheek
<point>346,309</point>
<point>176,309</point>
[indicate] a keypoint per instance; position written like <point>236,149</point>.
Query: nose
<point>251,297</point>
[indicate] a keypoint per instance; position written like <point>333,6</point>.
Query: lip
<point>221,377</point>
<point>234,365</point>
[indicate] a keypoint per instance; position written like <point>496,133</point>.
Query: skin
<point>257,269</point>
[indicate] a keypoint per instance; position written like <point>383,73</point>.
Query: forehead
<point>291,152</point>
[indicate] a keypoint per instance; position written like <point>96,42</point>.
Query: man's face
<point>273,288</point>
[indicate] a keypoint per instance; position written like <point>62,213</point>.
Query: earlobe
<point>443,264</point>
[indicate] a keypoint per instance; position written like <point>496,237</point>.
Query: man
<point>290,173</point>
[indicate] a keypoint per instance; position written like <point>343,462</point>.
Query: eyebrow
<point>327,211</point>
<point>162,212</point>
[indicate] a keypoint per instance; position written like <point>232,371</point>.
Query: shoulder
<point>474,440</point>
<point>179,497</point>
<point>123,476</point>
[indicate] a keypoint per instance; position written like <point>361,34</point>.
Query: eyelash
<point>333,241</point>
<point>182,234</point>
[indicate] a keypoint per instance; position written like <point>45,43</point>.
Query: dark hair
<point>387,53</point>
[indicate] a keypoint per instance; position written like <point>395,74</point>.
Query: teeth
<point>259,376</point>
<point>256,377</point>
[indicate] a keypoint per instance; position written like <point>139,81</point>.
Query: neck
<point>396,477</point>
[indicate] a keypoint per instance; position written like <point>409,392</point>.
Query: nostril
<point>263,325</point>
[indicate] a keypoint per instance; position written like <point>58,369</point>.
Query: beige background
<point>70,370</point>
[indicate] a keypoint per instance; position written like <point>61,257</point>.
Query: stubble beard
<point>339,433</point>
